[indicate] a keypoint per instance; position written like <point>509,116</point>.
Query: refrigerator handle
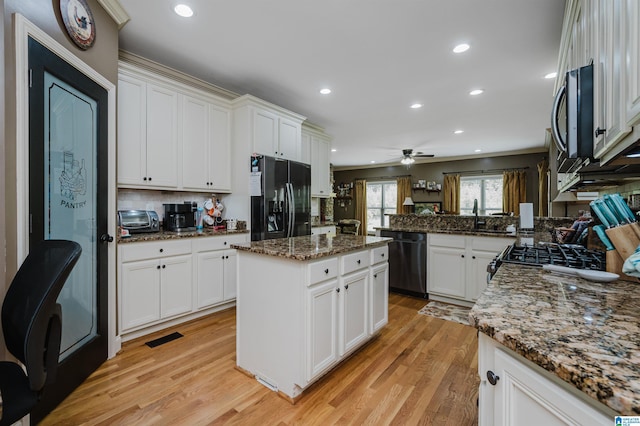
<point>290,209</point>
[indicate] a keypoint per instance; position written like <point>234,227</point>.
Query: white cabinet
<point>171,135</point>
<point>319,146</point>
<point>164,282</point>
<point>526,394</point>
<point>318,230</point>
<point>215,272</point>
<point>147,133</point>
<point>267,129</point>
<point>457,264</point>
<point>155,282</point>
<point>632,44</point>
<point>609,75</point>
<point>288,344</point>
<point>206,142</point>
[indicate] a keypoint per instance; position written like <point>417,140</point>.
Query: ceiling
<point>378,57</point>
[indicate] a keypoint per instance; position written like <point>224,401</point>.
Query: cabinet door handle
<point>491,376</point>
<point>326,271</point>
<point>600,131</point>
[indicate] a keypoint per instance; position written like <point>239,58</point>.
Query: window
<point>486,189</point>
<point>381,200</point>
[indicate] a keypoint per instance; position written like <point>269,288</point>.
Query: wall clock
<point>78,21</point>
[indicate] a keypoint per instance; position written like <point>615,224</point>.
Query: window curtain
<point>543,188</point>
<point>451,189</point>
<point>361,204</point>
<point>514,190</point>
<point>404,191</point>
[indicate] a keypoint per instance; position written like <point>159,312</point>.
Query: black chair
<point>32,325</point>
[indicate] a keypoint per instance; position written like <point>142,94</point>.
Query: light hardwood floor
<point>420,370</point>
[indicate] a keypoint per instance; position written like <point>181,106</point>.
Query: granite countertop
<point>310,247</point>
<point>522,238</point>
<point>168,235</point>
<point>586,333</point>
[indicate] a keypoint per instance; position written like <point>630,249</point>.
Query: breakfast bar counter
<point>585,333</point>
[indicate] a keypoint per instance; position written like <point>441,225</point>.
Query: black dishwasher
<point>407,262</point>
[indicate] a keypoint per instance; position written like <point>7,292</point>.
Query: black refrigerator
<point>284,207</point>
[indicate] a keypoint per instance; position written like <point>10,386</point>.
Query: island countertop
<point>310,247</point>
<point>586,333</point>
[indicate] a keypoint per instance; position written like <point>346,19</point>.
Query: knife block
<point>614,264</point>
<point>625,239</point>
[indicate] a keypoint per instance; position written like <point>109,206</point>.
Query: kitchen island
<point>306,303</point>
<point>557,346</point>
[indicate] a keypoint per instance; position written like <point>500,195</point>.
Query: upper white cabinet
<point>147,133</point>
<point>318,146</point>
<point>632,44</point>
<point>267,129</point>
<point>206,136</point>
<point>171,135</point>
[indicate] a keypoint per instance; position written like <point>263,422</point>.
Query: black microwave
<point>572,114</point>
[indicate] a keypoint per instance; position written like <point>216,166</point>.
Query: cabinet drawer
<point>445,240</point>
<point>155,249</point>
<point>354,261</point>
<point>323,270</point>
<point>379,254</point>
<point>218,243</point>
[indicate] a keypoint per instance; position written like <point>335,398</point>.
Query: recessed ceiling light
<point>373,161</point>
<point>457,132</point>
<point>476,92</point>
<point>183,10</point>
<point>325,91</point>
<point>551,75</point>
<point>461,48</point>
<point>416,105</point>
<point>333,150</point>
<point>478,150</point>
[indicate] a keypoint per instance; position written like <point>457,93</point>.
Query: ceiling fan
<point>408,156</point>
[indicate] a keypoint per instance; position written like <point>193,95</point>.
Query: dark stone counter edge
<point>159,236</point>
<point>308,256</point>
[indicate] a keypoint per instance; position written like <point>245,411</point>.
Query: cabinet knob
<point>382,254</point>
<point>338,290</point>
<point>149,179</point>
<point>164,266</point>
<point>326,271</point>
<point>473,257</point>
<point>358,261</point>
<point>161,250</point>
<point>158,267</point>
<point>491,376</point>
<point>346,287</point>
<point>600,131</point>
<point>375,275</point>
<point>462,255</point>
<point>144,178</point>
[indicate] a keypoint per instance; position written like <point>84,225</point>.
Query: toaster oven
<point>138,221</point>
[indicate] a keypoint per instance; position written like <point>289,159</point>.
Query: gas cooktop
<point>569,255</point>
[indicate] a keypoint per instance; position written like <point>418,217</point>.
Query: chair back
<point>31,317</point>
<point>349,226</point>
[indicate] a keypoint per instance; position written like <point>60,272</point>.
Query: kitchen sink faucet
<point>477,223</point>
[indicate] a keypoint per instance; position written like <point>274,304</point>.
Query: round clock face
<point>79,22</point>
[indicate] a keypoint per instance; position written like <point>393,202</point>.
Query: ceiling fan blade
<point>423,155</point>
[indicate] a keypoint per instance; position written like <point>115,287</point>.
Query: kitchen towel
<point>526,215</point>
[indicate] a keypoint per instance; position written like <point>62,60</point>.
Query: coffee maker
<point>180,217</point>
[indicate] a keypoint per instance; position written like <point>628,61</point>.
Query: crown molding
<point>116,11</point>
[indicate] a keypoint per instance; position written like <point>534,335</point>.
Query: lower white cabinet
<point>170,280</point>
<point>514,391</point>
<point>457,265</point>
<point>287,344</point>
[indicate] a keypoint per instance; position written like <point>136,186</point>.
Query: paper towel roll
<point>526,215</point>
